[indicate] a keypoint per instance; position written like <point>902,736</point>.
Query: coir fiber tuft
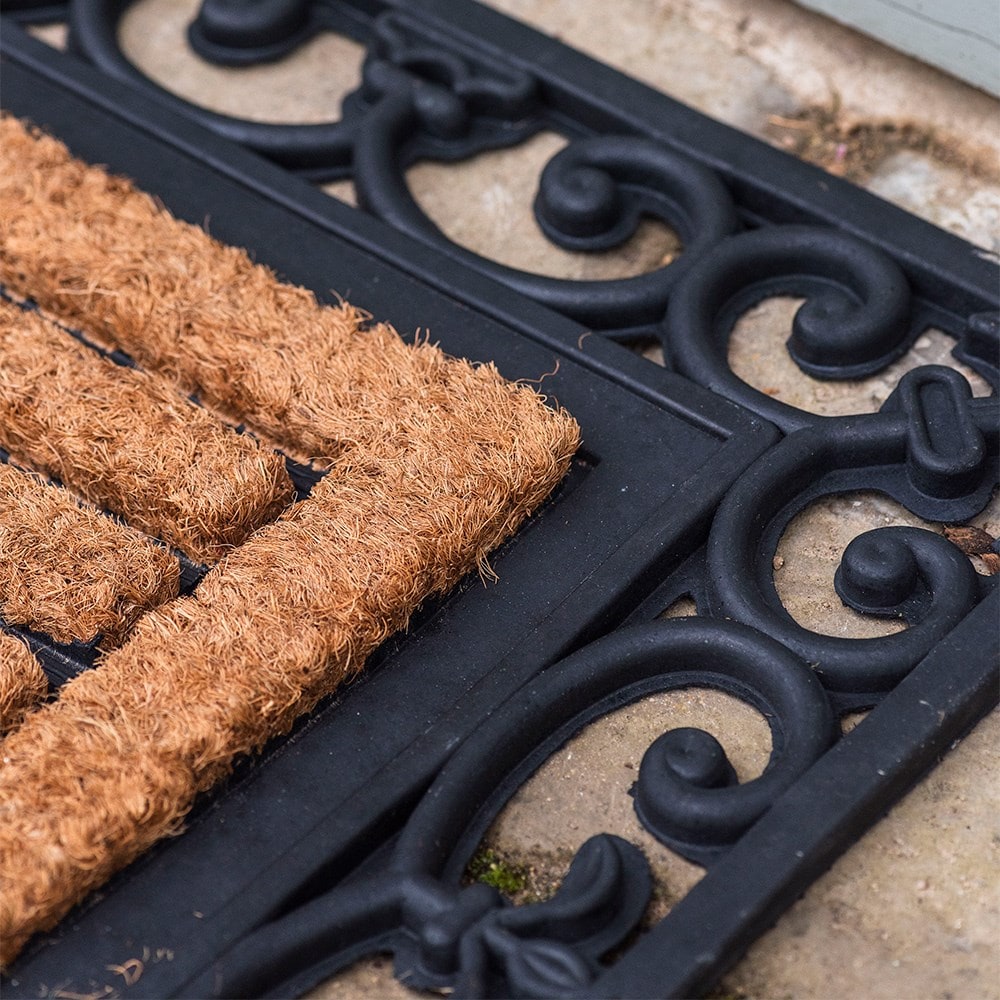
<point>82,243</point>
<point>71,572</point>
<point>23,684</point>
<point>127,442</point>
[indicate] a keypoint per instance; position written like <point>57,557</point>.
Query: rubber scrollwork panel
<point>466,938</point>
<point>689,478</point>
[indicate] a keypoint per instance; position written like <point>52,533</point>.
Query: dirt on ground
<point>854,149</point>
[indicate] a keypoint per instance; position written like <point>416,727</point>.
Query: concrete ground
<point>914,909</point>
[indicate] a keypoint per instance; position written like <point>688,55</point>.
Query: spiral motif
<point>591,196</point>
<point>854,322</point>
<point>321,151</point>
<point>686,794</point>
<point>908,573</point>
<point>593,191</point>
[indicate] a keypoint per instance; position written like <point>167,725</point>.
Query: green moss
<point>489,867</point>
<point>721,992</point>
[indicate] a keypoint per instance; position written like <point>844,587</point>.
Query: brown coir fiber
<point>71,572</point>
<point>97,776</point>
<point>434,462</point>
<point>22,682</point>
<point>127,442</point>
<point>110,261</point>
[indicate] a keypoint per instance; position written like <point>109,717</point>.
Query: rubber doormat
<point>375,865</point>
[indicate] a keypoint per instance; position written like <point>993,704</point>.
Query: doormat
<point>435,462</point>
<point>350,835</point>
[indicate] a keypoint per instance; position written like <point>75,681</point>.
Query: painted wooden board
<point>962,38</point>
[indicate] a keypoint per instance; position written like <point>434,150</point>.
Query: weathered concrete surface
<point>914,909</point>
<point>736,60</point>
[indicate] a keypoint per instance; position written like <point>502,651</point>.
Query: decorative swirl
<point>687,794</point>
<point>464,103</point>
<point>907,573</point>
<point>541,950</point>
<point>696,817</point>
<point>469,939</point>
<point>903,572</point>
<point>228,33</point>
<point>466,939</point>
<point>855,320</point>
<point>425,95</point>
<point>485,87</point>
<point>593,191</point>
<point>619,176</point>
<point>591,194</point>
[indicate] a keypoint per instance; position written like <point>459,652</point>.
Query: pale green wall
<point>961,37</point>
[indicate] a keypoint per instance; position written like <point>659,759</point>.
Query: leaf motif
<point>586,900</point>
<point>596,873</point>
<point>545,969</point>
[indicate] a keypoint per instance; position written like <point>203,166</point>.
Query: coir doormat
<point>432,461</point>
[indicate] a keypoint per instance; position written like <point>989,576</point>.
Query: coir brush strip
<point>70,572</point>
<point>127,442</point>
<point>312,379</point>
<point>23,684</point>
<point>434,462</point>
<point>113,765</point>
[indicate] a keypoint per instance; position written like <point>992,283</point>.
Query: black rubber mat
<point>351,835</point>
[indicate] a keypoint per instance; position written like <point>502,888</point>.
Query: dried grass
<point>127,442</point>
<point>71,572</point>
<point>23,684</point>
<point>434,462</point>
